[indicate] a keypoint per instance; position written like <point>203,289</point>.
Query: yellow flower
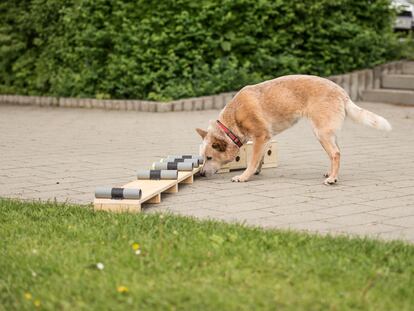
<point>36,303</point>
<point>27,296</point>
<point>135,246</point>
<point>122,289</point>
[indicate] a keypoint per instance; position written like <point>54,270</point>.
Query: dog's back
<point>285,99</point>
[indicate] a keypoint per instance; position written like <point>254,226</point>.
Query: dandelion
<point>36,303</point>
<point>138,252</point>
<point>28,296</point>
<point>122,289</point>
<point>100,266</point>
<point>135,246</point>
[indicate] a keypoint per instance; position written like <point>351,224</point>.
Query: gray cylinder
<point>180,166</point>
<point>157,174</point>
<point>118,193</point>
<point>194,161</point>
<point>188,156</point>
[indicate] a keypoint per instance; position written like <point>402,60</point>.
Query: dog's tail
<point>366,117</point>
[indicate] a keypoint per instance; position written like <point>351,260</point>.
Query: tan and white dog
<point>258,112</point>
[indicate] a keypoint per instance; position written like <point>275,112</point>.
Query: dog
<point>259,112</point>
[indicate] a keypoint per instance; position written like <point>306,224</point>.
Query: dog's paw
<point>239,178</point>
<point>330,181</point>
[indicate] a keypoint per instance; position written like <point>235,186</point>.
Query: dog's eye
<point>209,158</point>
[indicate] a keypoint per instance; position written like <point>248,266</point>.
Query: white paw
<point>238,178</point>
<point>330,181</point>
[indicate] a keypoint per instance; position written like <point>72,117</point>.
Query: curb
<point>354,84</point>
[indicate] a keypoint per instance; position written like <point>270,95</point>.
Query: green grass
<point>50,251</point>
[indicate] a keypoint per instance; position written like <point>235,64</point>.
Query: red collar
<point>230,134</point>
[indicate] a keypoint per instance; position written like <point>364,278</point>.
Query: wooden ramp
<point>151,193</point>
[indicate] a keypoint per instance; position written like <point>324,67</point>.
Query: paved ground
<point>51,153</point>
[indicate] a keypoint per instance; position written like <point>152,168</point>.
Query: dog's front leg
<point>259,146</point>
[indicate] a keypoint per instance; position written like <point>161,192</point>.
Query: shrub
<point>165,50</point>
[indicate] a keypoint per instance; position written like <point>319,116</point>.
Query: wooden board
<point>269,160</point>
<point>151,193</point>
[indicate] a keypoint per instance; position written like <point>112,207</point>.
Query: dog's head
<point>217,149</point>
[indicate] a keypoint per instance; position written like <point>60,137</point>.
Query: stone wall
<point>354,83</point>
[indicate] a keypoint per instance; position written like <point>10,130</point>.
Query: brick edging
<point>354,83</point>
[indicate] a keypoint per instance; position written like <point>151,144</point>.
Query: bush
<point>165,50</point>
<point>406,47</point>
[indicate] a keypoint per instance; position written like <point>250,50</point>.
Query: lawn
<point>65,257</point>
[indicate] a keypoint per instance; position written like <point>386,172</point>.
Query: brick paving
<point>62,154</point>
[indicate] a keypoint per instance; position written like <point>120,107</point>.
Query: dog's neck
<point>228,117</point>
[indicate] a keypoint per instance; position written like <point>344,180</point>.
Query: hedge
<point>164,50</point>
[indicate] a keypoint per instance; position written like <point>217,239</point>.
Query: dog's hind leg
<point>328,142</point>
<point>327,118</point>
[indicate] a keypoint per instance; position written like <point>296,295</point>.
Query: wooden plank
<point>173,189</point>
<point>155,199</point>
<point>134,207</point>
<point>188,180</point>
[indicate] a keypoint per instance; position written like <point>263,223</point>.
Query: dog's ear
<point>219,145</point>
<point>201,132</point>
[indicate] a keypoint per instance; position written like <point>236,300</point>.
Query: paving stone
<point>371,229</point>
<point>208,102</point>
<point>239,207</point>
<point>405,221</point>
<point>300,217</point>
<point>314,226</point>
<point>357,219</point>
<point>391,202</point>
<point>348,209</point>
<point>406,234</point>
<point>293,208</point>
<point>243,215</point>
<point>399,211</point>
<point>202,213</point>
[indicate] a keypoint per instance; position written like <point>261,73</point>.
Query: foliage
<point>407,47</point>
<point>62,257</point>
<point>172,49</point>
